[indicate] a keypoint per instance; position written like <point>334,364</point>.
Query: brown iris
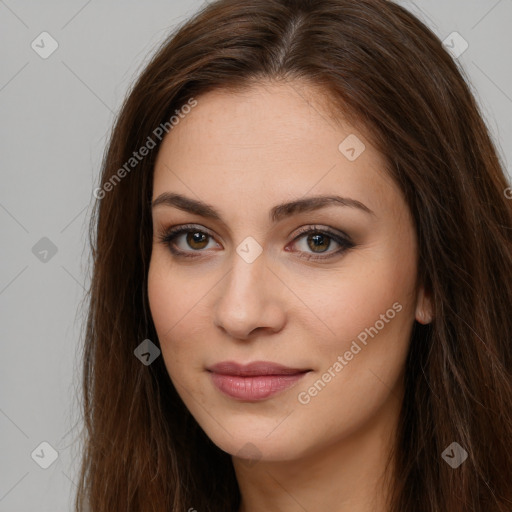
<point>320,241</point>
<point>196,237</point>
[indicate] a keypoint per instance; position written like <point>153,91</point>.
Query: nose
<point>251,299</point>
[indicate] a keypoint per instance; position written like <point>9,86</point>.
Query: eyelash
<point>169,235</point>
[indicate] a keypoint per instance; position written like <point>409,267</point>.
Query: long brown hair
<point>384,70</point>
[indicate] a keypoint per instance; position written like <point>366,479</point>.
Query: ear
<point>424,309</point>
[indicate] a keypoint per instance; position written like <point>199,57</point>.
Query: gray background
<point>55,117</point>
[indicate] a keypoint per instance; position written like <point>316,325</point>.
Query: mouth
<point>254,381</point>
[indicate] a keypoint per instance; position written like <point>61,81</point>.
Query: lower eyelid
<point>303,239</point>
<point>330,253</point>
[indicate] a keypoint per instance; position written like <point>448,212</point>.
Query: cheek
<point>350,303</point>
<point>178,314</point>
<point>371,315</point>
<point>162,300</point>
<point>167,306</point>
<point>171,295</point>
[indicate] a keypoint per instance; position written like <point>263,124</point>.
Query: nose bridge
<point>246,280</point>
<point>247,301</point>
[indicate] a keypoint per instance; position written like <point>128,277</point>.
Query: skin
<point>243,153</point>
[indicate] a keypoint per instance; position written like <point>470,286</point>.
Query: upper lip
<point>254,368</point>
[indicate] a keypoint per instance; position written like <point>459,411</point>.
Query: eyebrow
<point>276,214</point>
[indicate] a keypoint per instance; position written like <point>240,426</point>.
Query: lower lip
<point>256,387</point>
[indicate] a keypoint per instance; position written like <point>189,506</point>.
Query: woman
<point>302,274</point>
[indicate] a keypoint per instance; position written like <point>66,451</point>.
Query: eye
<point>317,240</point>
<point>196,239</point>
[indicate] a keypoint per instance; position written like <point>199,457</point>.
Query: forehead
<point>266,144</point>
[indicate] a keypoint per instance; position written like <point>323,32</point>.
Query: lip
<point>254,368</point>
<point>254,381</point>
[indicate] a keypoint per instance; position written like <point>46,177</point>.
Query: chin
<point>254,444</point>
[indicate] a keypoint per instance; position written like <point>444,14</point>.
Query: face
<point>327,289</point>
